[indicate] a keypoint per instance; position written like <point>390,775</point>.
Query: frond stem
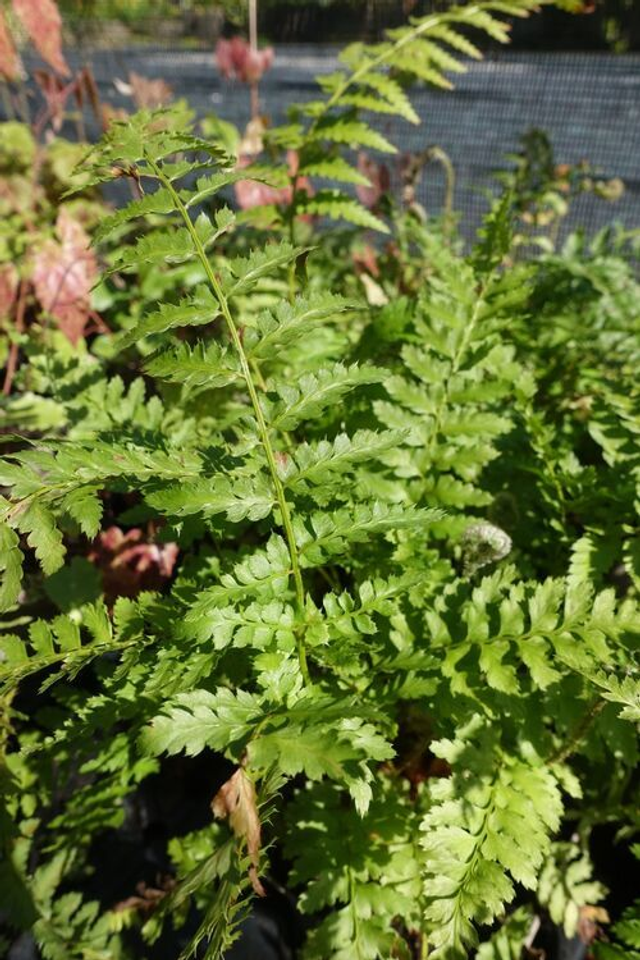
<point>567,749</point>
<point>257,409</point>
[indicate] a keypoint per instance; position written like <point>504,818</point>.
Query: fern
<point>400,608</point>
<point>566,885</point>
<point>368,80</point>
<point>480,833</point>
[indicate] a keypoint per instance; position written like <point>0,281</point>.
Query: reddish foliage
<point>149,94</point>
<point>86,88</point>
<point>378,175</point>
<point>56,93</point>
<point>9,281</point>
<point>252,193</point>
<point>9,60</point>
<point>129,562</point>
<point>64,271</point>
<point>146,898</point>
<point>236,59</point>
<point>41,20</point>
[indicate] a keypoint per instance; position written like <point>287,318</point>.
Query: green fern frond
<point>338,206</point>
<point>66,643</point>
<point>203,365</point>
<point>238,498</point>
<point>566,884</point>
<point>287,323</point>
<point>482,833</point>
<point>293,404</point>
<point>190,312</point>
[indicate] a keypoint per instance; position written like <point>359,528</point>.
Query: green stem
<point>263,429</point>
<point>562,754</point>
<point>354,912</point>
<point>443,158</point>
<point>424,947</point>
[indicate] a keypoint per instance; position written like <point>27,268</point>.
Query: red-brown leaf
<point>378,175</point>
<point>9,281</point>
<point>252,193</point>
<point>236,799</point>
<point>64,272</point>
<point>131,561</point>
<point>236,59</point>
<point>9,60</point>
<point>56,93</point>
<point>42,22</point>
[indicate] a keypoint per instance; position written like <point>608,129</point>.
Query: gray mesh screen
<point>589,104</point>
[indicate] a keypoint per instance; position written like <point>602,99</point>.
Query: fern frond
<point>338,206</point>
<point>190,312</point>
<point>238,498</point>
<point>353,133</point>
<point>43,535</point>
<point>158,202</point>
<point>255,625</point>
<point>65,643</point>
<point>566,884</point>
<point>313,393</point>
<point>244,272</point>
<point>325,535</point>
<point>545,627</point>
<point>482,833</point>
<point>364,872</point>
<point>263,572</point>
<point>203,365</point>
<point>288,323</point>
<point>11,559</point>
<point>335,168</point>
<point>317,464</point>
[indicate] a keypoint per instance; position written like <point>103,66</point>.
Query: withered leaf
<point>236,799</point>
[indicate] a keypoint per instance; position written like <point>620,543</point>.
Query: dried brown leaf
<point>236,799</point>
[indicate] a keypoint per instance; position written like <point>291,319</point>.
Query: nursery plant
<point>370,552</point>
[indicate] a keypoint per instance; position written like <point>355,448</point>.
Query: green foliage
<point>626,932</point>
<point>566,884</point>
<point>507,942</point>
<point>375,556</point>
<point>487,827</point>
<point>365,872</point>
